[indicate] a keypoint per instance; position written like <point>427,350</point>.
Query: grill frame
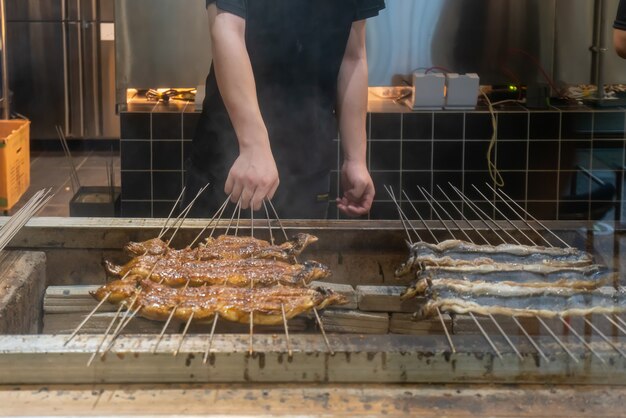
<point>379,358</point>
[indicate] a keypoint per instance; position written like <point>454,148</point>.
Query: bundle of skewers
<point>241,279</point>
<point>522,280</point>
<point>520,275</point>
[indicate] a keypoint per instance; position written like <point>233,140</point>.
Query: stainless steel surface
<point>36,10</point>
<point>161,43</point>
<point>598,48</point>
<point>36,74</point>
<point>462,35</point>
<point>65,71</point>
<point>6,96</point>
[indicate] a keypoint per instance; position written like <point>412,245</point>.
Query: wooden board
<point>402,323</point>
<point>312,400</point>
<point>343,289</point>
<point>357,322</point>
<point>46,359</point>
<point>386,299</point>
<point>68,299</point>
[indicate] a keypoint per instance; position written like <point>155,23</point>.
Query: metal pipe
<point>6,102</point>
<point>599,47</point>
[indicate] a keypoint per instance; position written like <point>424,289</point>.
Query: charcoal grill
<point>459,349</point>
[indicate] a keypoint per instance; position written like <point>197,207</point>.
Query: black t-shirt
<point>620,20</point>
<point>296,48</point>
<point>363,9</point>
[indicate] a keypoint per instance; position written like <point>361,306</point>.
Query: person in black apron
<point>295,49</point>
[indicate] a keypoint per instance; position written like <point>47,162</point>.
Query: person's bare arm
<point>358,188</point>
<point>253,177</point>
<point>619,41</point>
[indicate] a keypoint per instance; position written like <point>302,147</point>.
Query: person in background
<point>287,75</point>
<point>619,30</point>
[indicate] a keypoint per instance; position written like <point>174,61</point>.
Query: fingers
<point>250,192</point>
<point>357,201</point>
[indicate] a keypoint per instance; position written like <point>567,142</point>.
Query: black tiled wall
<point>557,164</point>
<point>153,148</point>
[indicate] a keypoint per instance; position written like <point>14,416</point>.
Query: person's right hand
<point>253,177</point>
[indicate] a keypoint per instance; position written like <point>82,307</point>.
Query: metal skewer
<point>208,348</point>
<point>618,326</point>
<point>581,339</point>
<point>493,346</point>
<point>604,337</point>
<point>317,316</point>
<point>480,214</point>
<point>460,212</point>
<point>621,320</point>
<point>289,351</point>
<point>502,214</point>
<point>215,217</point>
<point>123,323</point>
<point>250,350</point>
<point>106,333</point>
<point>506,337</point>
<point>169,217</point>
<point>238,219</point>
<point>269,223</point>
<point>232,218</point>
<point>423,191</point>
<point>251,222</point>
<point>162,334</point>
<point>559,342</point>
<point>419,215</point>
<point>432,198</point>
<point>87,318</point>
<point>445,330</point>
<point>535,220</point>
<point>532,342</point>
<point>402,216</point>
<point>321,325</point>
<point>497,193</point>
<point>280,224</point>
<point>182,337</point>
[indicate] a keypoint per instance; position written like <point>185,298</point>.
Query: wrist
<point>354,161</point>
<point>255,140</point>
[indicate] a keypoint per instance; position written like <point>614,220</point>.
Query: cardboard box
<point>14,161</point>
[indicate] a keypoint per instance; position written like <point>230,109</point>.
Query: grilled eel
<point>157,301</point>
<point>487,298</point>
<point>239,273</point>
<point>524,275</point>
<point>461,253</point>
<point>226,247</point>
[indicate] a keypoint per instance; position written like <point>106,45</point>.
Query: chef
<point>619,30</point>
<point>287,75</point>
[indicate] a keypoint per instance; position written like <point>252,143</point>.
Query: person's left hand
<point>358,189</point>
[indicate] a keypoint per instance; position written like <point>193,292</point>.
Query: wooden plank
<point>44,359</point>
<point>72,299</point>
<point>22,285</point>
<point>98,323</point>
<point>386,299</point>
<point>402,323</point>
<point>309,400</point>
<point>343,289</point>
<point>358,322</point>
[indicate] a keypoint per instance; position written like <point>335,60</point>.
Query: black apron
<point>296,48</point>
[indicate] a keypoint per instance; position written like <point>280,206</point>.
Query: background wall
<point>478,36</point>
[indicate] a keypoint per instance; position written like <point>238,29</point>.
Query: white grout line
<point>558,170</point>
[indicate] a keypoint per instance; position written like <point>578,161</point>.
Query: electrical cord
<point>494,173</point>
